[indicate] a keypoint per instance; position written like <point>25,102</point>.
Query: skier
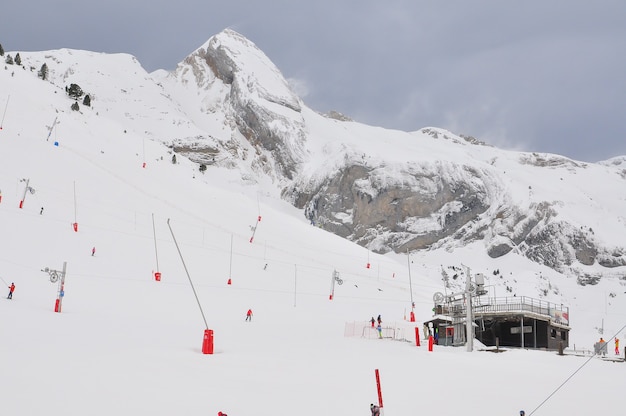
<point>375,409</point>
<point>221,414</point>
<point>249,315</point>
<point>93,251</point>
<point>522,413</point>
<point>41,211</point>
<point>616,346</point>
<point>373,321</point>
<point>11,290</point>
<point>380,331</point>
<point>380,320</point>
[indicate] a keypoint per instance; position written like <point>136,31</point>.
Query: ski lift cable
<point>571,376</point>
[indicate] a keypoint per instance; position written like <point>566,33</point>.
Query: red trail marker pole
<point>380,394</point>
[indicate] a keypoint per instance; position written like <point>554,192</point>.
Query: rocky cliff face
<point>412,211</point>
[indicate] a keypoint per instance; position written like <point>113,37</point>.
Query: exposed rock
<point>558,244</point>
<point>375,210</point>
<point>335,115</point>
<point>612,258</point>
<point>588,279</point>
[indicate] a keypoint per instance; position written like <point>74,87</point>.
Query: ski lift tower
<point>335,278</point>
<point>472,289</point>
<point>26,190</point>
<point>56,275</point>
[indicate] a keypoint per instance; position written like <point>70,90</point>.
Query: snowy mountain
<point>104,177</point>
<point>227,105</point>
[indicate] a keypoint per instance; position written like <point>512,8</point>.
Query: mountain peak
<point>235,59</point>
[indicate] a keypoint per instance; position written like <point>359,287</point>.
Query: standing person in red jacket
<point>11,290</point>
<point>249,315</point>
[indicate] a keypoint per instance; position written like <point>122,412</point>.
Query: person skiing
<point>380,320</point>
<point>616,346</point>
<point>522,413</point>
<point>373,321</point>
<point>221,414</point>
<point>11,290</point>
<point>93,251</point>
<point>380,331</point>
<point>374,409</point>
<point>249,315</point>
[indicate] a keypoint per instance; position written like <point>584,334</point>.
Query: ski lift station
<point>516,321</point>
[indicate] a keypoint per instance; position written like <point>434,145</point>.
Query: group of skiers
<point>378,327</point>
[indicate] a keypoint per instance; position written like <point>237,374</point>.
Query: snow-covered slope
<point>227,105</point>
<point>125,343</point>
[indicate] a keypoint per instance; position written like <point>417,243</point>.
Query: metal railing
<point>517,304</point>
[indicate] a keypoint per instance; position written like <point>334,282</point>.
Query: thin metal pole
<point>25,189</point>
<point>188,277</point>
<point>52,127</point>
<point>295,283</point>
<point>155,243</point>
<point>469,327</point>
<point>5,111</point>
<point>75,202</point>
<point>230,266</point>
<point>61,293</point>
<point>408,260</point>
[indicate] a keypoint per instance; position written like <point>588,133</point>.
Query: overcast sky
<point>545,76</point>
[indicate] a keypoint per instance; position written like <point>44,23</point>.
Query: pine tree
<point>43,72</point>
<point>75,106</point>
<point>18,59</point>
<point>1,50</point>
<point>87,100</point>
<point>9,60</point>
<point>74,91</point>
